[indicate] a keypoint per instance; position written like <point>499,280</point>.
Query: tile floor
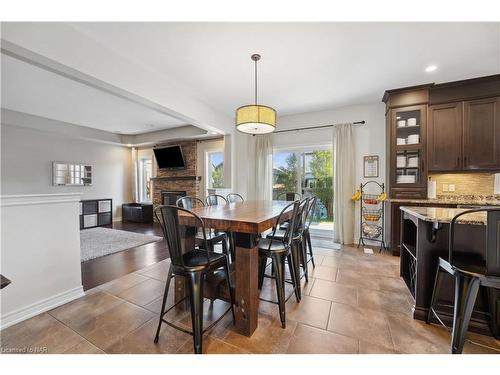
<point>353,303</point>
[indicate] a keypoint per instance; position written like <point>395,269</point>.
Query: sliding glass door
<point>307,171</point>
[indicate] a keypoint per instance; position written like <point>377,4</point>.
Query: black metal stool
<point>299,256</point>
<point>279,250</point>
<point>289,196</point>
<point>234,198</point>
<point>213,237</point>
<point>179,227</point>
<point>306,235</point>
<point>470,272</point>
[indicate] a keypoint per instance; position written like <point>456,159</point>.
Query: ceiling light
<point>255,118</point>
<point>431,68</point>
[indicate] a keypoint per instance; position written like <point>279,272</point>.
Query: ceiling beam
<point>63,49</point>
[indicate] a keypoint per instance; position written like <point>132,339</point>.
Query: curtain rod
<point>316,127</point>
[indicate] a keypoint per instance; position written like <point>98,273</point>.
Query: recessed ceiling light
<point>431,68</point>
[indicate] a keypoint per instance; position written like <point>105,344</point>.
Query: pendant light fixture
<point>255,118</point>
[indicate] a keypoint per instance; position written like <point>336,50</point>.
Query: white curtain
<point>263,178</point>
<point>344,184</point>
<point>135,175</point>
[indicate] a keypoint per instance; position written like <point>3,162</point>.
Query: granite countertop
<point>476,200</point>
<point>444,215</point>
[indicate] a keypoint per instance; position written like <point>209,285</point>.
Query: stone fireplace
<point>170,197</point>
<point>169,185</point>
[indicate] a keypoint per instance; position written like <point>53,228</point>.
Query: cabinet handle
<point>465,161</point>
<point>458,161</point>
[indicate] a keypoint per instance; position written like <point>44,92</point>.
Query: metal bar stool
<point>213,237</point>
<point>179,227</point>
<point>306,235</point>
<point>470,272</point>
<point>299,255</point>
<point>279,250</point>
<point>289,196</point>
<point>215,200</point>
<point>234,198</point>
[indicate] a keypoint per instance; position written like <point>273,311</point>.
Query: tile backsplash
<point>477,184</point>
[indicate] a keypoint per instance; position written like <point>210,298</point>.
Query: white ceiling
<point>27,88</point>
<point>304,66</point>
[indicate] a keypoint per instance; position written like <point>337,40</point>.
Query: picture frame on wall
<point>370,166</point>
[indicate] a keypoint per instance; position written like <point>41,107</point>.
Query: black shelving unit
<point>96,213</point>
<point>371,218</point>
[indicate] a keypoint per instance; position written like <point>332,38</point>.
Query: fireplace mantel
<point>177,178</point>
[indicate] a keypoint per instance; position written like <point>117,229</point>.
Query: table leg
<point>246,283</point>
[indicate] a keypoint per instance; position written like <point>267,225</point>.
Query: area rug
<point>97,242</point>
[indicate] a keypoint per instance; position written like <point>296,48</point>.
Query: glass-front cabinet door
<point>408,130</point>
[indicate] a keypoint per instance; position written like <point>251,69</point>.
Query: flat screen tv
<point>170,157</point>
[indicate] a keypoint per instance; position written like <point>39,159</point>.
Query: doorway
<point>307,171</point>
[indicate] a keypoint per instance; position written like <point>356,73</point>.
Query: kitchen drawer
<point>408,193</point>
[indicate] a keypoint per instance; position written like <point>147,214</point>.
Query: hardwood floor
<point>101,270</point>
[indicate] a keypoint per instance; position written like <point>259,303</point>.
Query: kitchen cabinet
<point>408,172</point>
<point>464,136</point>
<point>481,132</point>
<point>395,220</point>
<point>444,137</point>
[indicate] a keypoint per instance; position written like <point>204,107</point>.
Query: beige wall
<point>26,164</point>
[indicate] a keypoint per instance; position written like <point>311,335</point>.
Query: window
<point>145,174</point>
<point>215,169</point>
<point>307,172</point>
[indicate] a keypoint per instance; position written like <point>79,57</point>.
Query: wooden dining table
<point>246,220</point>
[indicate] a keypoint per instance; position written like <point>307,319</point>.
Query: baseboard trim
<point>39,307</point>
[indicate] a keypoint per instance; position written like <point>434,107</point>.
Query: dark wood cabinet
<point>395,220</point>
<point>459,130</point>
<point>481,146</point>
<point>464,136</point>
<point>444,137</point>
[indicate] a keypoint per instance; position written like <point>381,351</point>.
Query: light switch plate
<point>445,187</point>
<point>451,187</point>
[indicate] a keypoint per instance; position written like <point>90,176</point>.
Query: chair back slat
<point>287,237</point>
<point>311,211</point>
<point>492,251</point>
<point>180,231</point>
<point>215,200</point>
<point>289,196</point>
<point>189,202</point>
<point>493,244</point>
<point>300,222</point>
<point>234,197</point>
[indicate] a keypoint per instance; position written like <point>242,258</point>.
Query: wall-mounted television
<point>169,157</point>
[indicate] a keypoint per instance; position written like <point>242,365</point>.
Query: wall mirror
<point>71,174</point>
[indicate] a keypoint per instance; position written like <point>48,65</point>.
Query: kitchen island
<point>424,238</point>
